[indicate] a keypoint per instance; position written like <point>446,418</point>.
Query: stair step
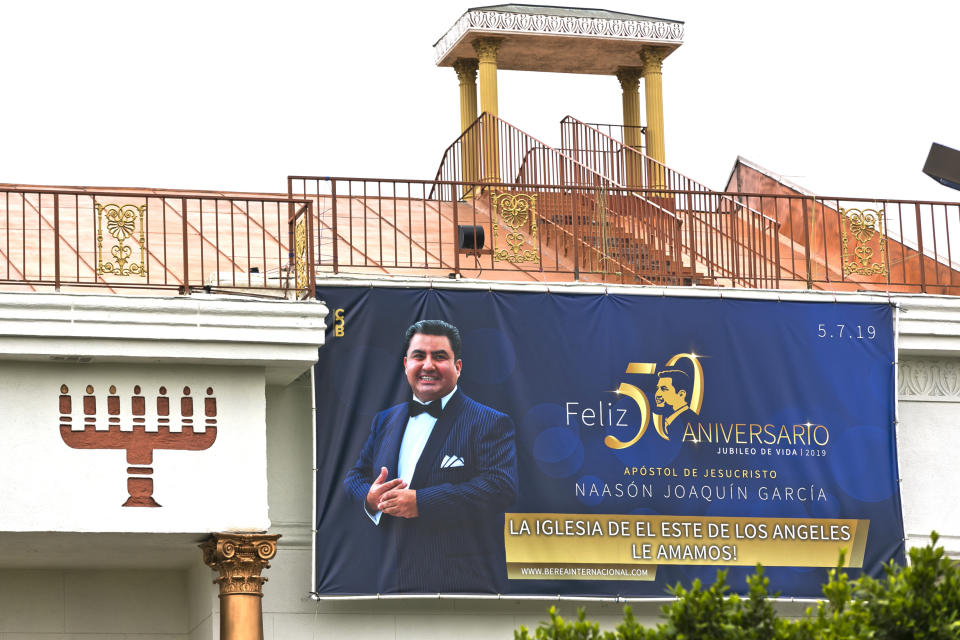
<point>650,265</point>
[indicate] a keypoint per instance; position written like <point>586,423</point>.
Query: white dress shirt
<point>415,438</point>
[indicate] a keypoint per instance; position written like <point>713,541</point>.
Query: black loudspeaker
<point>470,237</point>
<point>943,165</point>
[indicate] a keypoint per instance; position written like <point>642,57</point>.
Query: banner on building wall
<point>602,444</point>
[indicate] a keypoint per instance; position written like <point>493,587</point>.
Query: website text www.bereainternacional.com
<point>578,571</point>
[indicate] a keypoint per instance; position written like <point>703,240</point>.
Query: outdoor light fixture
<point>943,165</point>
<point>470,237</point>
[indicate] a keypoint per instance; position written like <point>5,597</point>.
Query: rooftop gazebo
<point>563,40</point>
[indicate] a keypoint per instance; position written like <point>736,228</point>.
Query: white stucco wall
<point>85,489</point>
<point>79,564</point>
<point>928,439</point>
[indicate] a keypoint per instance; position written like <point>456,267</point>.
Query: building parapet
<point>280,336</point>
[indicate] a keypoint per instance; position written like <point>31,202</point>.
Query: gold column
<point>239,558</point>
<point>629,78</point>
<point>653,93</point>
<point>487,49</point>
<point>466,69</point>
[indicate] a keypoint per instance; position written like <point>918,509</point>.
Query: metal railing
<point>624,133</point>
<point>155,240</point>
<point>604,233</point>
<point>843,243</point>
<point>581,227</point>
<point>593,232</point>
<point>494,151</point>
<point>690,200</point>
<point>702,220</point>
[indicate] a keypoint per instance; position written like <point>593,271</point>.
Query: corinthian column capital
<point>652,58</point>
<point>466,69</point>
<point>239,558</point>
<point>487,48</point>
<point>629,78</point>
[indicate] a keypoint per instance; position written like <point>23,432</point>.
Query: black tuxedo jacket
<point>456,543</point>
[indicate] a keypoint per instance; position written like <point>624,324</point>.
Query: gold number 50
<point>638,396</point>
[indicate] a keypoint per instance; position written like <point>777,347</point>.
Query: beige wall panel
<point>332,626</point>
<point>104,602</point>
<point>207,630</point>
<point>87,636</point>
<point>290,454</point>
<point>425,620</point>
<point>203,605</point>
<point>108,605</point>
<point>288,589</point>
<point>31,601</point>
<point>438,626</point>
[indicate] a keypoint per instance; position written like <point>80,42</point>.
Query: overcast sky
<point>842,97</point>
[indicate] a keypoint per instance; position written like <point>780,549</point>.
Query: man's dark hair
<point>434,328</point>
<point>680,379</point>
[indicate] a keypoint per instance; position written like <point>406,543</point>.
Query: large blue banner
<point>591,444</point>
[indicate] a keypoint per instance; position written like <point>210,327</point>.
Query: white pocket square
<point>451,461</point>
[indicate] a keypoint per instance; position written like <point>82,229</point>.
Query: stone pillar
<point>629,78</point>
<point>466,69</point>
<point>653,92</point>
<point>239,558</point>
<point>487,49</point>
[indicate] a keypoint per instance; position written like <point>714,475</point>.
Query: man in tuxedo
<point>436,474</point>
<point>672,396</point>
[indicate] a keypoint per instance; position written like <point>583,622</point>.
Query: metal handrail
<point>798,241</point>
<point>560,165</point>
<point>158,240</point>
<point>587,141</point>
<point>588,228</point>
<point>700,187</point>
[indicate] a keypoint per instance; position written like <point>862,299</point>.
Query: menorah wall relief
<point>138,442</point>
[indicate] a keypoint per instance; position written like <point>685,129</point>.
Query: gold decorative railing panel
<point>861,232</point>
<point>518,213</point>
<point>122,223</point>
<point>300,255</point>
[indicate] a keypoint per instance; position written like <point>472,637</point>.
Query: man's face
<point>431,370</point>
<point>666,395</point>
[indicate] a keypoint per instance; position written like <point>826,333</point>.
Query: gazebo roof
<point>558,39</point>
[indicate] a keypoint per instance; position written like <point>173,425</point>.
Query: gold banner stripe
<point>859,544</point>
<point>620,540</point>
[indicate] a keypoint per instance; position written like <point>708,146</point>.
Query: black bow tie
<point>416,408</point>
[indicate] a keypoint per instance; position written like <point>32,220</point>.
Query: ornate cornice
<point>466,69</point>
<point>936,379</point>
<point>505,22</point>
<point>239,558</point>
